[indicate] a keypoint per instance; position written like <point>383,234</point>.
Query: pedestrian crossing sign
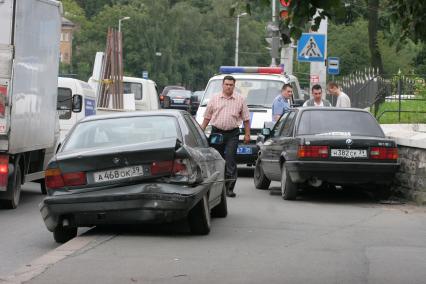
<point>311,48</point>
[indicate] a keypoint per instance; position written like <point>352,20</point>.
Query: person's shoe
<point>230,193</point>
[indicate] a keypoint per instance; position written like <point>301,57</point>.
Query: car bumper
<point>132,204</point>
<point>342,172</point>
<point>247,158</point>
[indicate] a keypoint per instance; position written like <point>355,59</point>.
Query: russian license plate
<point>118,174</point>
<point>178,101</point>
<point>348,153</point>
<point>244,150</point>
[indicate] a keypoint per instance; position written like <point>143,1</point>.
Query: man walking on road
<point>342,99</point>
<point>225,112</point>
<point>282,102</point>
<point>317,99</point>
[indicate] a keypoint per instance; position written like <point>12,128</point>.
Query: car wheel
<point>14,188</point>
<point>260,180</point>
<point>288,188</point>
<point>43,187</point>
<point>64,234</point>
<point>221,210</point>
<point>199,217</point>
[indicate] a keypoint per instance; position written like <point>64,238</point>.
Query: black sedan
<point>317,145</point>
<point>130,168</point>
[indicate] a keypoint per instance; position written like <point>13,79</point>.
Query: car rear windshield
<point>257,92</point>
<point>121,131</point>
<point>179,93</point>
<point>338,122</point>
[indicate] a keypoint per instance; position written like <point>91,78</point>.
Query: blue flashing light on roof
<point>245,69</point>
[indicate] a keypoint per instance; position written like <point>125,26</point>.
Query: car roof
<point>313,108</point>
<point>123,114</point>
<point>253,76</point>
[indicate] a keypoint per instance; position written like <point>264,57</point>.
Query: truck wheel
<point>14,189</point>
<point>260,180</point>
<point>288,188</point>
<point>199,217</point>
<point>221,210</point>
<point>64,234</point>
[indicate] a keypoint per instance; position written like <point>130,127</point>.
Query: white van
<point>67,88</point>
<point>145,91</point>
<point>259,90</point>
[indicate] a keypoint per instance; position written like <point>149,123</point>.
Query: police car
<point>259,86</point>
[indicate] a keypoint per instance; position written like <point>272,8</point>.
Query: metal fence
<point>367,89</point>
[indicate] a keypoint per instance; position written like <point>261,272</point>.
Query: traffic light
<point>284,9</point>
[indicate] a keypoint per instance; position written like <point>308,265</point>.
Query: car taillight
<point>176,167</point>
<point>161,98</point>
<point>383,153</point>
<point>312,152</point>
<point>55,179</point>
<point>4,170</point>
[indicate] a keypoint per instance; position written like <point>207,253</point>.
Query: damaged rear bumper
<point>132,204</point>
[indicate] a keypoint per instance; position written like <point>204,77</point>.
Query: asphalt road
<point>323,237</point>
<point>23,235</point>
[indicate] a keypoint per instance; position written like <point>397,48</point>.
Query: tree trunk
<point>373,26</point>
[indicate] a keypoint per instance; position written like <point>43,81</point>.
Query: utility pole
<point>319,68</point>
<point>274,22</point>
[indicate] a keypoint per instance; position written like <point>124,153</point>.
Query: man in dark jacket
<point>317,99</point>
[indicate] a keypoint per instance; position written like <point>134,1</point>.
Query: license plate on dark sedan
<point>243,150</point>
<point>348,153</point>
<point>117,174</point>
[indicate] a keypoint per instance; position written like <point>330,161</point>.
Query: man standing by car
<point>342,99</point>
<point>225,112</point>
<point>282,102</point>
<point>317,99</point>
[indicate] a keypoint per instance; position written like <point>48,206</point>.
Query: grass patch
<point>408,117</point>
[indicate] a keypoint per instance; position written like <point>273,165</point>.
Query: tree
<point>373,25</point>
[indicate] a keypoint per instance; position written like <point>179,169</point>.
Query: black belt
<point>217,130</point>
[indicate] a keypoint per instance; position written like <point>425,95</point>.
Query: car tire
<point>43,188</point>
<point>64,234</point>
<point>221,210</point>
<point>199,217</point>
<point>260,180</point>
<point>288,188</point>
<point>14,189</point>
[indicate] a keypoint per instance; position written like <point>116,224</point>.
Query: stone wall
<point>410,181</point>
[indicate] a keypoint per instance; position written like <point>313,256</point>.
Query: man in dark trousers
<point>225,112</point>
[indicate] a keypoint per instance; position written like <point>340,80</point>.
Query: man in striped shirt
<point>225,112</point>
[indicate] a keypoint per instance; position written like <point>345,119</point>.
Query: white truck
<point>29,61</point>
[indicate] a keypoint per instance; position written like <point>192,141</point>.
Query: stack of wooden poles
<point>112,72</point>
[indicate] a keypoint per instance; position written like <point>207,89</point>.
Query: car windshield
<point>121,131</point>
<point>338,122</point>
<point>179,93</point>
<point>260,93</point>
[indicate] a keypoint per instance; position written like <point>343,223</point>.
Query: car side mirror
<point>298,103</point>
<point>77,103</point>
<point>266,132</point>
<point>216,139</point>
<point>166,102</point>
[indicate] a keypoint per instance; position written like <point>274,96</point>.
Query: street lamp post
<point>237,37</point>
<point>119,22</point>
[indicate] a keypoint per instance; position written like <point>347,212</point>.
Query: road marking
<point>41,264</point>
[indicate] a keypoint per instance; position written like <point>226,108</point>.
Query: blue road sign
<point>145,74</point>
<point>311,48</point>
<point>333,67</point>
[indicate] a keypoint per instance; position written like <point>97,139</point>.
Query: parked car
<point>180,99</point>
<point>166,91</point>
<point>131,168</point>
<point>195,101</point>
<point>315,145</point>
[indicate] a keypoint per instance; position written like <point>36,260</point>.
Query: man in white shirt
<point>342,99</point>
